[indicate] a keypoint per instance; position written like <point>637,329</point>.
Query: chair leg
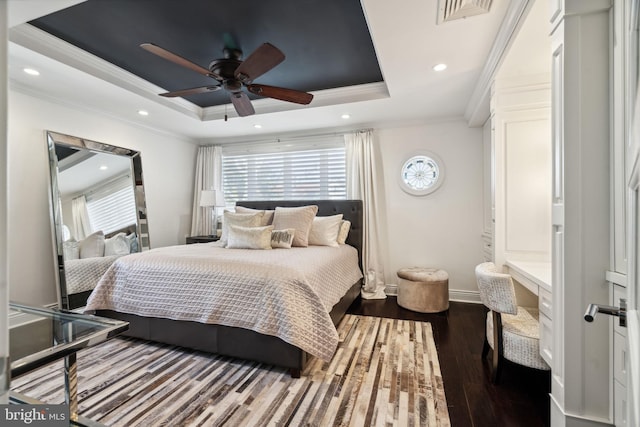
<point>496,367</point>
<point>485,348</point>
<point>497,347</point>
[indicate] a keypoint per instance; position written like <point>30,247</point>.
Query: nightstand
<point>202,239</point>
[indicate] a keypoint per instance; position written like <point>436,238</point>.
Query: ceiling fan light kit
<point>233,74</point>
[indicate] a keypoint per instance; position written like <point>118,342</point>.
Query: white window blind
<point>112,206</point>
<point>313,168</point>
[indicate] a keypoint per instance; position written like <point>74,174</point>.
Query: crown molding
<point>344,95</point>
<point>477,111</point>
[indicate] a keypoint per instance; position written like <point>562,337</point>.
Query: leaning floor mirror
<point>98,211</point>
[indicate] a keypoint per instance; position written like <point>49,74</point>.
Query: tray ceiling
<point>328,46</point>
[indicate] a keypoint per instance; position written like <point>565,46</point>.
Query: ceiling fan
<point>232,74</point>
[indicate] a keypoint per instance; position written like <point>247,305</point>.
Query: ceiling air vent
<point>448,10</point>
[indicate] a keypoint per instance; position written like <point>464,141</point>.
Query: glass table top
<point>40,335</point>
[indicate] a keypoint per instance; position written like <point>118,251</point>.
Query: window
<point>313,168</point>
<point>112,206</point>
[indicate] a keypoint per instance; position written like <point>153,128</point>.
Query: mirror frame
<point>55,205</point>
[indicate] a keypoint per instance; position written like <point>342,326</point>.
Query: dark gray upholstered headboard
<point>350,209</point>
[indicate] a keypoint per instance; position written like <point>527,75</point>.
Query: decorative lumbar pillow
<point>343,233</point>
<point>267,218</point>
<point>300,218</point>
<point>282,238</point>
<point>324,230</point>
<point>117,245</point>
<point>71,250</point>
<point>241,219</point>
<point>93,245</point>
<point>249,237</point>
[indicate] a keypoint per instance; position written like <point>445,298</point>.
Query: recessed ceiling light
<point>143,112</point>
<point>31,71</point>
<point>104,168</point>
<point>345,116</point>
<point>257,126</point>
<point>440,67</point>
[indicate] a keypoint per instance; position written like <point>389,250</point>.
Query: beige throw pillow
<point>241,219</point>
<point>343,233</point>
<point>249,237</point>
<point>324,230</point>
<point>299,218</point>
<point>267,218</point>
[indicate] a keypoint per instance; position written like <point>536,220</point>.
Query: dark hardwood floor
<point>521,399</point>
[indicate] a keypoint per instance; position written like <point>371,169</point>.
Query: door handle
<point>621,311</point>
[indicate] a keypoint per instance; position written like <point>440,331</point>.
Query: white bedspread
<point>83,274</point>
<point>286,293</point>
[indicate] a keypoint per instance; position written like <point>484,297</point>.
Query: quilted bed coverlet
<point>83,274</point>
<point>286,293</point>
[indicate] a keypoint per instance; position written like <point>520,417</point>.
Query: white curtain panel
<point>81,223</point>
<point>364,182</point>
<point>208,177</point>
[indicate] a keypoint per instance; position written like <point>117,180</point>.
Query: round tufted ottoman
<point>423,289</point>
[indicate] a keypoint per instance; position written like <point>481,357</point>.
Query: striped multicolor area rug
<point>385,372</point>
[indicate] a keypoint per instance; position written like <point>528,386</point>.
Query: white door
<point>633,237</point>
<point>633,284</point>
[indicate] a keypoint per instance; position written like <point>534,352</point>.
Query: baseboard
<point>559,418</point>
<point>391,289</point>
<point>461,295</point>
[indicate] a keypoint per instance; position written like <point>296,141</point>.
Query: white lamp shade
<point>211,198</point>
<point>207,198</point>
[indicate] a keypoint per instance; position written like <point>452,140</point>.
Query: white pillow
<point>324,230</point>
<point>267,219</point>
<point>93,245</point>
<point>241,219</point>
<point>70,250</point>
<point>117,245</point>
<point>300,218</point>
<point>343,233</point>
<point>249,237</point>
<point>282,238</point>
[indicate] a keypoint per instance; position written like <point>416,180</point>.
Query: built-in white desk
<point>533,275</point>
<point>536,277</point>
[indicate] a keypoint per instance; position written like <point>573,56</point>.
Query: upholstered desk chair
<point>511,331</point>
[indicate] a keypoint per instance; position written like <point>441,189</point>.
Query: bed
<point>272,337</point>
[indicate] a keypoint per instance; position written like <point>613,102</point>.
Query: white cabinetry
<point>520,110</point>
<point>521,145</point>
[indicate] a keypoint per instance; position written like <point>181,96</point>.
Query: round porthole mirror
<point>421,174</point>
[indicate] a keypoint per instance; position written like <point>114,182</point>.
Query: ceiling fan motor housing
<point>224,68</point>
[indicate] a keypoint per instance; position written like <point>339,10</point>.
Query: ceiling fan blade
<point>242,104</point>
<point>259,62</point>
<point>177,59</point>
<point>192,91</point>
<point>281,93</point>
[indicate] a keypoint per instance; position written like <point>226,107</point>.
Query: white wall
<point>168,171</point>
<point>442,229</point>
